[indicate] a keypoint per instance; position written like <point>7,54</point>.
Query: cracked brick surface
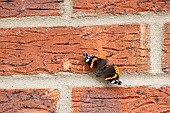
<point>54,49</point>
<point>121,100</point>
<point>28,100</point>
<point>22,8</point>
<point>120,6</point>
<point>166,49</point>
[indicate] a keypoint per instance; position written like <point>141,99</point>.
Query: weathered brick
<point>54,49</point>
<point>121,100</point>
<point>22,8</point>
<point>120,6</point>
<point>28,100</point>
<point>166,49</point>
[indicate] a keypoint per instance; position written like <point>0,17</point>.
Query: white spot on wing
<point>87,60</point>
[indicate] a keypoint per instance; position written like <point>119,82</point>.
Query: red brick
<point>120,6</point>
<point>28,100</point>
<point>50,50</point>
<point>166,49</point>
<point>22,8</point>
<point>121,100</point>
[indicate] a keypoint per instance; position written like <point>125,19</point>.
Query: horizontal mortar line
<point>105,19</point>
<point>59,80</point>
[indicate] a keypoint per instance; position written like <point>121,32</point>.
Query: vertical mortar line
<point>68,9</point>
<point>64,103</point>
<point>156,36</point>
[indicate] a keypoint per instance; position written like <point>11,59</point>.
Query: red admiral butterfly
<point>98,65</point>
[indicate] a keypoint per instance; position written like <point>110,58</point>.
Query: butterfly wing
<point>99,65</point>
<point>109,71</point>
<point>111,74</point>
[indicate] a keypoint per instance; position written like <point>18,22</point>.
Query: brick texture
<point>121,100</point>
<point>166,49</point>
<point>28,100</point>
<point>120,6</point>
<point>50,50</point>
<point>22,8</point>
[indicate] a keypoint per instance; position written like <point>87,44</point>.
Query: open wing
<point>100,65</point>
<point>110,72</point>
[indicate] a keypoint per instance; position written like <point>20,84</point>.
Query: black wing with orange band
<point>98,64</point>
<point>111,72</point>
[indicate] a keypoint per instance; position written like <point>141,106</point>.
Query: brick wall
<point>41,46</point>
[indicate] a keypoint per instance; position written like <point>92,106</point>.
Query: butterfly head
<point>88,58</point>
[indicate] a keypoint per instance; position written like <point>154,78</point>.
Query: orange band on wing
<point>102,57</point>
<point>109,78</point>
<point>92,62</point>
<point>116,69</point>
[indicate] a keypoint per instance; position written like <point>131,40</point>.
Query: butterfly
<point>99,66</point>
